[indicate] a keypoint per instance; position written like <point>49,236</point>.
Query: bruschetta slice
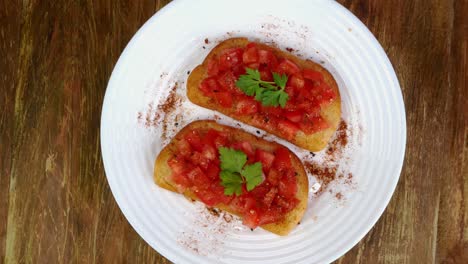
<point>263,86</point>
<point>226,168</point>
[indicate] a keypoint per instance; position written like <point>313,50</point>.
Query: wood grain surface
<point>56,58</point>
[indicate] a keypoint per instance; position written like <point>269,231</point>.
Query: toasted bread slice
<point>331,112</point>
<point>162,172</point>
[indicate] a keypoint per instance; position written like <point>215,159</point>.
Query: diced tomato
<point>246,106</point>
<point>238,70</point>
<point>230,58</point>
<point>213,67</point>
<point>217,189</point>
<point>294,116</point>
<point>198,159</point>
<point>312,75</point>
<point>182,180</point>
<point>209,85</point>
<point>214,138</point>
<point>251,45</point>
<point>313,110</point>
<point>254,65</point>
<point>270,196</point>
<point>327,94</point>
<point>287,188</point>
<point>260,190</point>
<point>251,219</point>
<point>288,67</point>
<point>309,107</point>
<point>314,124</point>
<point>282,159</point>
<point>285,204</point>
<point>267,58</point>
<point>224,99</point>
<point>179,172</point>
<point>297,81</point>
<point>291,91</point>
<point>249,203</point>
<point>207,196</point>
<point>245,147</point>
<point>197,177</point>
<point>307,91</point>
<point>265,74</point>
<point>250,55</point>
<point>320,123</point>
<point>288,129</point>
<point>227,81</point>
<point>209,152</point>
<point>271,215</point>
<point>272,111</point>
<point>273,177</point>
<point>265,157</point>
<point>243,203</point>
<point>221,140</point>
<point>184,147</point>
<point>193,138</point>
<point>177,166</point>
<point>213,171</point>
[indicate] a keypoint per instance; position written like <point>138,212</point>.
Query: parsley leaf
<point>269,93</point>
<point>280,80</point>
<point>253,175</point>
<point>232,160</point>
<point>249,83</point>
<point>232,182</point>
<point>234,173</point>
<point>282,99</point>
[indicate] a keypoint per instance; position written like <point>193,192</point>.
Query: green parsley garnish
<point>234,172</point>
<point>268,93</point>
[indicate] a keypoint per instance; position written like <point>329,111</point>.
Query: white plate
<point>170,44</point>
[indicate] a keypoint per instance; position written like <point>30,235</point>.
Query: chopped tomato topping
<point>230,58</point>
<point>194,140</point>
<point>196,167</point>
<point>267,58</point>
<point>197,177</point>
<point>215,138</point>
<point>297,81</point>
<point>314,124</point>
<point>266,158</point>
<point>288,67</point>
<point>212,68</point>
<point>246,107</point>
<point>271,215</point>
<point>288,129</point>
<point>184,147</point>
<point>312,75</point>
<point>294,116</point>
<point>250,55</point>
<point>282,159</point>
<point>224,99</point>
<point>305,87</point>
<point>265,74</point>
<point>227,81</point>
<point>213,171</point>
<point>245,147</point>
<point>274,176</point>
<point>209,86</point>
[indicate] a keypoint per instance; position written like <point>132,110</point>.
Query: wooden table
<point>56,58</point>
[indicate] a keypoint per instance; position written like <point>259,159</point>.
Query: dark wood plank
<point>60,209</point>
<point>9,63</point>
<point>55,203</point>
